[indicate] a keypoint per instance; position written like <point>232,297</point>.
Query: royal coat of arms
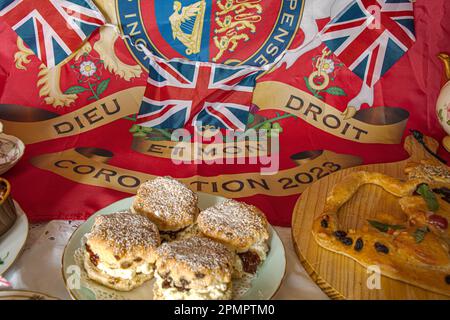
<point>225,31</point>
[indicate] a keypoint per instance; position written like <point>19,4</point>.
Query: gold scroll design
<point>234,20</point>
<point>383,125</point>
<point>187,151</point>
<point>188,18</point>
<point>90,166</point>
<point>34,125</point>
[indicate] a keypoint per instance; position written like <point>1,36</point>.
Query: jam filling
<point>92,256</point>
<point>250,261</point>
<point>172,235</point>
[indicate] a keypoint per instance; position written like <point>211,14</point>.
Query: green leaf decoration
<point>266,126</point>
<point>307,85</point>
<point>139,134</point>
<point>441,114</point>
<point>429,197</point>
<point>277,126</point>
<point>157,138</point>
<point>384,227</point>
<point>134,128</point>
<point>251,118</point>
<point>75,90</point>
<point>146,129</point>
<point>335,91</point>
<point>2,260</point>
<point>420,233</point>
<point>102,86</point>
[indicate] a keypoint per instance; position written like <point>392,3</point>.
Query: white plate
<point>261,287</point>
<point>12,149</point>
<point>12,242</point>
<point>24,295</point>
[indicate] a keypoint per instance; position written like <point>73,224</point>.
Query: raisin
<point>347,241</point>
<point>184,282</point>
<point>444,191</point>
<point>359,244</point>
<point>324,223</point>
<point>166,284</point>
<point>182,289</point>
<point>340,234</point>
<point>438,221</point>
<point>381,248</point>
<point>447,279</point>
<point>183,285</point>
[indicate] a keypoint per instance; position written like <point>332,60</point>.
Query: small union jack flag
<point>370,36</point>
<point>185,93</point>
<point>52,29</point>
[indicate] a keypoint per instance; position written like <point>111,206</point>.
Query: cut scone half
<point>120,250</point>
<point>241,227</point>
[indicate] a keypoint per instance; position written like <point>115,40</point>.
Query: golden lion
<point>238,6</point>
<point>228,42</point>
<point>49,78</point>
<point>238,23</point>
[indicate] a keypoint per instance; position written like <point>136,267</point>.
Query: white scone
<point>196,268</point>
<point>120,250</point>
<point>241,227</point>
<point>169,204</point>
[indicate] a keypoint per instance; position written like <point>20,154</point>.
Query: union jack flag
<point>52,29</point>
<point>370,36</point>
<point>185,93</point>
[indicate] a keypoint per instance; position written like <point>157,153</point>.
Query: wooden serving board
<point>338,276</point>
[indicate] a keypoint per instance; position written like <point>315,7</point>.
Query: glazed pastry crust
<point>425,264</point>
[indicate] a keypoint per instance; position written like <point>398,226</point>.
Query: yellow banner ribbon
<point>373,125</point>
<point>87,166</point>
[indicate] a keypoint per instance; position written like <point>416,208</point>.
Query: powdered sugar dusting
<point>235,219</point>
<point>124,231</point>
<point>167,199</point>
<point>198,254</point>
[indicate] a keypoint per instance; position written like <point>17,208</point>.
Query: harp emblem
<point>187,24</point>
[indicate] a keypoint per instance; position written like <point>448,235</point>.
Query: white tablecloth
<point>39,266</point>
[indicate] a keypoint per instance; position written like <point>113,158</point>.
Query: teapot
<point>443,102</point>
